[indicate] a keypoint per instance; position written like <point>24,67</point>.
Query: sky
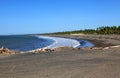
<point>44,16</point>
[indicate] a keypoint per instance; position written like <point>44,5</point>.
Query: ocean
<point>24,42</point>
<point>30,43</point>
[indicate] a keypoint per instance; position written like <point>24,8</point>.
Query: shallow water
<point>85,43</point>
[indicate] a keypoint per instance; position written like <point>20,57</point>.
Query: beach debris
<point>43,50</point>
<point>57,49</point>
<point>49,50</point>
<point>91,48</point>
<point>106,48</point>
<point>115,46</point>
<point>6,51</point>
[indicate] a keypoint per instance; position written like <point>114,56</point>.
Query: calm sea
<point>24,42</point>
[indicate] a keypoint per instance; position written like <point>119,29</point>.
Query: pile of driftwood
<point>6,51</point>
<point>43,50</point>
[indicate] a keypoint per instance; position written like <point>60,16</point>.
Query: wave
<point>59,42</point>
<point>32,43</point>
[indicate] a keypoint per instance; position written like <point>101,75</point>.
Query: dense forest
<point>99,30</point>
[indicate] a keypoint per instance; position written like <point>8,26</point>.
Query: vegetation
<point>99,30</point>
<point>108,30</point>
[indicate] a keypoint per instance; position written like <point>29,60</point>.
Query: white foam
<point>61,42</point>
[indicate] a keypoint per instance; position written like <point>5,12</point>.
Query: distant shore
<point>67,62</point>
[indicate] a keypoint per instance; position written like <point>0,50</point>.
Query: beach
<point>67,62</point>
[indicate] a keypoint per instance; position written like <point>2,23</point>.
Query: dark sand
<point>98,40</point>
<point>67,63</point>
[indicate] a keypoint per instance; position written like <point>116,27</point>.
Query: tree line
<point>108,30</point>
<point>99,30</point>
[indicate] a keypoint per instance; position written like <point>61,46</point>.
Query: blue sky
<point>43,16</point>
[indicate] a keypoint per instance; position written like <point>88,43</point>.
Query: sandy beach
<point>67,62</point>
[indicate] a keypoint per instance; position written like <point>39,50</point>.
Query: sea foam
<point>61,42</point>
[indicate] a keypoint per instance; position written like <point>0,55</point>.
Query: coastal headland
<point>100,61</point>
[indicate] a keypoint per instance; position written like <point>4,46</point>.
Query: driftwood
<point>44,50</point>
<point>6,51</point>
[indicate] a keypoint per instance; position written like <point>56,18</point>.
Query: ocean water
<point>24,42</point>
<point>31,43</point>
<point>85,43</point>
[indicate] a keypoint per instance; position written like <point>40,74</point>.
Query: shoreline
<point>97,40</point>
<point>59,42</point>
<point>66,62</point>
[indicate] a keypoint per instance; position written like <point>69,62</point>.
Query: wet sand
<point>66,63</point>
